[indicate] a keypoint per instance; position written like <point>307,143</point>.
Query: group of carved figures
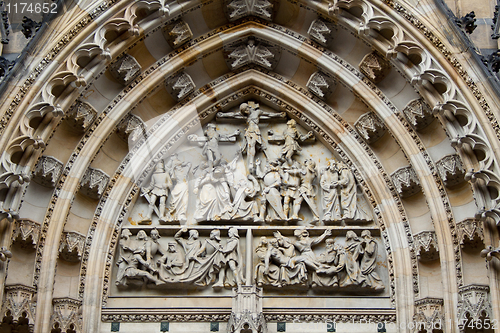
<point>188,260</point>
<point>285,262</point>
<point>274,192</point>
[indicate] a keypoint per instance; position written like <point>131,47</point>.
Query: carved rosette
<point>19,305</point>
<point>320,31</point>
<point>418,113</point>
<point>473,303</point>
<point>80,116</point>
<point>93,183</point>
<point>177,33</point>
<point>66,316</point>
<point>320,84</point>
<point>429,314</point>
<point>252,51</point>
<point>125,69</point>
<point>375,67</point>
<point>71,246</point>
<point>47,171</point>
<point>240,8</point>
<point>451,170</point>
<point>426,245</point>
<point>26,233</point>
<point>406,181</point>
<point>370,127</point>
<point>180,85</point>
<point>247,313</point>
<point>470,233</point>
<point>131,128</point>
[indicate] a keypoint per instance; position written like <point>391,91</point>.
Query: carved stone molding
<point>80,116</point>
<point>321,31</point>
<point>93,183</point>
<point>180,85</point>
<point>375,67</point>
<point>429,314</point>
<point>370,127</point>
<point>406,181</point>
<point>26,233</point>
<point>451,170</point>
<point>418,113</point>
<point>19,305</point>
<point>239,8</point>
<point>131,128</point>
<point>426,245</point>
<point>470,233</point>
<point>71,246</point>
<point>247,313</point>
<point>252,51</point>
<point>66,316</point>
<point>473,303</point>
<point>177,33</point>
<point>320,84</point>
<point>47,171</point>
<point>125,69</point>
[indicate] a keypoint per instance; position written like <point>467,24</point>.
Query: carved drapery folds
<point>451,170</point>
<point>473,304</point>
<point>66,316</point>
<point>470,233</point>
<point>247,313</point>
<point>80,116</point>
<point>131,128</point>
<point>93,183</point>
<point>177,33</point>
<point>180,85</point>
<point>321,31</point>
<point>370,127</point>
<point>406,181</point>
<point>252,51</point>
<point>47,171</point>
<point>125,69</point>
<point>418,113</point>
<point>239,8</point>
<point>18,309</point>
<point>71,246</point>
<point>429,315</point>
<point>26,233</point>
<point>375,67</point>
<point>320,84</point>
<point>426,245</point>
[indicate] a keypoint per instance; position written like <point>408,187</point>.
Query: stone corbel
<point>247,313</point>
<point>406,181</point>
<point>370,127</point>
<point>237,9</point>
<point>177,33</point>
<point>180,85</point>
<point>67,315</point>
<point>131,128</point>
<point>426,245</point>
<point>451,170</point>
<point>320,84</point>
<point>418,113</point>
<point>252,51</point>
<point>470,233</point>
<point>321,31</point>
<point>375,67</point>
<point>71,246</point>
<point>26,233</point>
<point>19,305</point>
<point>93,183</point>
<point>473,304</point>
<point>125,69</point>
<point>429,314</point>
<point>47,171</point>
<point>81,116</point>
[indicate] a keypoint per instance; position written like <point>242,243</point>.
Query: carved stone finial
<point>320,84</point>
<point>418,113</point>
<point>429,314</point>
<point>489,252</point>
<point>473,303</point>
<point>130,128</point>
<point>47,171</point>
<point>470,233</point>
<point>5,66</point>
<point>320,31</point>
<point>29,27</point>
<point>467,22</point>
<point>177,33</point>
<point>406,181</point>
<point>125,69</point>
<point>67,316</point>
<point>240,8</point>
<point>493,61</point>
<point>451,170</point>
<point>71,246</point>
<point>19,307</point>
<point>26,233</point>
<point>375,67</point>
<point>93,183</point>
<point>426,245</point>
<point>81,116</point>
<point>252,52</point>
<point>180,85</point>
<point>370,127</point>
<point>247,313</point>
